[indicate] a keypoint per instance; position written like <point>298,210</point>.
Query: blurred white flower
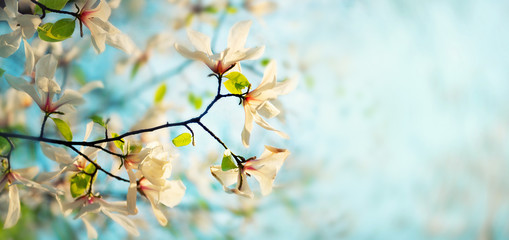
<point>20,177</point>
<point>257,102</point>
<point>221,62</point>
<point>45,87</point>
<point>89,203</point>
<point>263,169</point>
<point>23,26</point>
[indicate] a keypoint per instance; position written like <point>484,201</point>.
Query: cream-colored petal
<point>268,80</point>
<point>286,86</point>
<point>131,193</point>
<point>45,69</point>
<point>226,178</point>
<point>9,43</point>
<point>102,11</point>
<point>196,55</point>
<point>248,125</point>
<point>29,58</point>
<point>172,193</point>
<point>238,35</point>
<point>88,208</point>
<point>242,187</point>
<point>57,154</point>
<point>28,24</point>
<point>28,172</point>
<point>88,130</point>
<point>71,97</point>
<point>118,206</point>
<point>200,41</point>
<point>158,214</point>
<point>13,211</point>
<point>267,110</point>
<point>91,232</point>
<point>21,85</point>
<point>261,122</point>
<point>91,86</point>
<point>123,221</point>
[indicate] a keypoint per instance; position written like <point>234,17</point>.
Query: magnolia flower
<point>20,177</point>
<point>187,11</point>
<point>263,169</point>
<point>102,31</point>
<point>257,102</point>
<point>152,173</point>
<point>46,87</point>
<point>68,163</point>
<point>23,26</point>
<point>94,204</point>
<point>221,62</point>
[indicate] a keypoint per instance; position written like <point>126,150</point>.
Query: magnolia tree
<point>140,157</point>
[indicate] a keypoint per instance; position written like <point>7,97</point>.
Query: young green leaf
<point>264,62</point>
<point>195,100</point>
<point>160,92</point>
<point>2,71</point>
<point>231,10</point>
<point>63,128</point>
<point>45,33</point>
<point>79,184</point>
<point>63,28</point>
<point>118,143</point>
<point>98,120</point>
<point>236,82</point>
<point>182,140</point>
<point>210,9</point>
<point>53,4</point>
<point>227,162</point>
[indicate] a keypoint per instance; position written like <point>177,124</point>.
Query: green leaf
<point>160,92</point>
<point>231,10</point>
<point>45,34</point>
<point>236,82</point>
<point>54,4</point>
<point>118,143</point>
<point>56,32</point>
<point>136,68</point>
<point>210,9</point>
<point>2,71</point>
<point>79,184</point>
<point>63,28</point>
<point>195,100</point>
<point>264,62</point>
<point>90,168</point>
<point>182,140</point>
<point>98,120</point>
<point>63,128</point>
<point>227,162</point>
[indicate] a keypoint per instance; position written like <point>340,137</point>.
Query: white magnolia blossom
<point>151,181</point>
<point>45,87</point>
<point>225,60</point>
<point>66,161</point>
<point>95,14</point>
<point>257,102</point>
<point>89,203</point>
<point>263,169</point>
<point>20,177</point>
<point>23,26</point>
